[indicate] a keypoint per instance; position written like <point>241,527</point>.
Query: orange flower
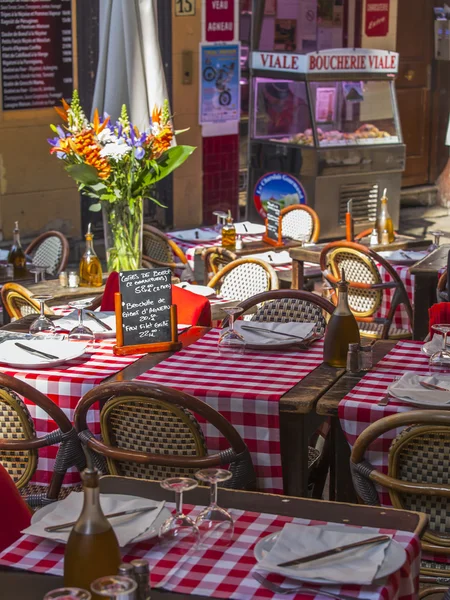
<point>156,115</point>
<point>99,127</point>
<point>161,142</point>
<point>64,146</point>
<point>62,112</point>
<point>84,145</point>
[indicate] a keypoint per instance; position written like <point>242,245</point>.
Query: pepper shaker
<point>366,358</point>
<point>353,358</point>
<point>142,570</point>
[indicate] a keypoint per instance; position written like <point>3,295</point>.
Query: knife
<point>269,332</point>
<point>299,561</point>
<point>122,513</point>
<point>89,313</point>
<point>36,352</point>
<point>432,386</point>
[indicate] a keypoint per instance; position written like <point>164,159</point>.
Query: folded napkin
<point>408,388</point>
<point>264,337</point>
<point>126,528</point>
<point>358,566</point>
<point>70,321</point>
<point>438,314</point>
<point>273,258</point>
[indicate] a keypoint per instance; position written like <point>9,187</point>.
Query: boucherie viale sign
<point>329,61</point>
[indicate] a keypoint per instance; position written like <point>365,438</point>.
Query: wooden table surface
<point>22,585</point>
<point>426,275</point>
<point>62,295</point>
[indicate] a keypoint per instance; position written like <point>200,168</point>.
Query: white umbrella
<point>130,69</point>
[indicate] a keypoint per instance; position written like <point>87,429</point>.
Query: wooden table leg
<point>294,454</point>
<point>341,483</point>
<point>298,275</point>
<point>425,285</point>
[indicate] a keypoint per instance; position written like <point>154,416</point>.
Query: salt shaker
<point>63,279</point>
<point>366,358</point>
<point>74,280</point>
<point>127,570</point>
<point>142,570</point>
<point>239,242</point>
<point>353,358</point>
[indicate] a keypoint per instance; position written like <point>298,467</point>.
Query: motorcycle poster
<point>219,83</point>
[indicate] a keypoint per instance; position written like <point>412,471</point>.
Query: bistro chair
<point>19,444</point>
<point>366,287</point>
<point>300,222</point>
<point>150,431</point>
<point>160,251</point>
<point>243,278</point>
<point>18,301</point>
<point>418,475</point>
<point>214,259</point>
<point>51,250</point>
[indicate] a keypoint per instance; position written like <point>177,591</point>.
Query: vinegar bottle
<point>342,330</point>
<point>16,256</point>
<point>92,550</point>
<point>90,267</point>
<point>384,222</point>
<point>229,234</point>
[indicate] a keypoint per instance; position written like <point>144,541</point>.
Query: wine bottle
<point>16,256</point>
<point>92,550</point>
<point>90,267</point>
<point>384,222</point>
<point>229,234</point>
<point>342,329</point>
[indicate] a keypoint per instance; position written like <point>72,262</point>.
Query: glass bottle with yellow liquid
<point>92,550</point>
<point>342,329</point>
<point>229,234</point>
<point>90,267</point>
<point>385,226</point>
<point>16,256</point>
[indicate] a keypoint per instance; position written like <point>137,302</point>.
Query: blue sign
<point>219,83</point>
<point>283,188</point>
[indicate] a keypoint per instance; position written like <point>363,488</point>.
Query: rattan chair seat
<point>375,330</point>
<point>244,278</point>
<point>300,222</point>
<point>51,250</point>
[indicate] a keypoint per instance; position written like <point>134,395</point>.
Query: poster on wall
<point>325,104</point>
<point>285,34</point>
<point>377,18</point>
<point>281,187</point>
<point>270,8</point>
<point>219,83</point>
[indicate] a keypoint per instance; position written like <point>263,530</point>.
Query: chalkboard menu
<point>273,211</point>
<point>36,52</point>
<point>146,306</point>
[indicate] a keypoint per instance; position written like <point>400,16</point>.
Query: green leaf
<point>99,187</point>
<point>178,131</point>
<point>96,207</point>
<point>83,174</point>
<point>172,159</point>
<point>156,201</point>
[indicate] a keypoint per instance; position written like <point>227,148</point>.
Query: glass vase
<point>122,223</point>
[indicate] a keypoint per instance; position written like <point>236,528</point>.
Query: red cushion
<point>439,314</point>
<point>14,512</point>
<point>192,309</point>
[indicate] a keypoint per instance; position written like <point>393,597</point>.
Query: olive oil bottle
<point>90,267</point>
<point>92,550</point>
<point>229,234</point>
<point>342,329</point>
<point>16,256</point>
<point>385,226</point>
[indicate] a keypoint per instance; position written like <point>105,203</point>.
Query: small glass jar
<point>63,279</point>
<point>366,358</point>
<point>73,279</point>
<point>68,594</point>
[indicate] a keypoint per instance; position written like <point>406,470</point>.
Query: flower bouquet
<point>117,165</point>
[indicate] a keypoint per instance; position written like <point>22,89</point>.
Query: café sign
<point>329,61</point>
<point>219,20</point>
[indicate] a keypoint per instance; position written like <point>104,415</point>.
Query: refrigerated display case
<point>324,129</point>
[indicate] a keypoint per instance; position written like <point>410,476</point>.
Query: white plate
<point>196,235</point>
<point>147,535</point>
<point>13,356</point>
<point>394,559</point>
<point>274,258</point>
<point>403,256</point>
<point>419,403</point>
<point>201,290</point>
<point>70,321</point>
<point>247,228</point>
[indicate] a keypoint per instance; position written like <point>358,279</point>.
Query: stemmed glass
<point>42,324</point>
<point>38,270</point>
<point>437,236</point>
<point>80,332</point>
<point>230,341</point>
<point>179,528</point>
<point>441,358</point>
<point>68,594</point>
<point>213,521</point>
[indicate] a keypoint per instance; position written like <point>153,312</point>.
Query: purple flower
<point>139,152</point>
<point>53,141</point>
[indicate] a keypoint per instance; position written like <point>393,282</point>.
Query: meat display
<point>335,137</point>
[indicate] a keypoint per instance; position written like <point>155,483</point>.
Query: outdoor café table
<point>224,572</point>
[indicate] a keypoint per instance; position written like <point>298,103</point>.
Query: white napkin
<point>70,321</point>
<point>126,528</point>
<point>360,565</point>
<point>274,258</point>
<point>264,337</point>
<point>409,388</point>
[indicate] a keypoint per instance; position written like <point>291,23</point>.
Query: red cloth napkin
<point>192,309</point>
<point>14,513</point>
<point>438,315</point>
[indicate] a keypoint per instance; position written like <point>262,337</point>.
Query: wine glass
<point>437,236</point>
<point>213,521</point>
<point>80,332</point>
<point>230,341</point>
<point>180,528</point>
<point>39,272</point>
<point>68,594</point>
<point>441,358</point>
<point>114,587</point>
<point>42,324</point>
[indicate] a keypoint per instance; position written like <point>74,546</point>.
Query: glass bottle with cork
<point>16,256</point>
<point>229,234</point>
<point>342,329</point>
<point>385,226</point>
<point>92,550</point>
<point>90,267</point>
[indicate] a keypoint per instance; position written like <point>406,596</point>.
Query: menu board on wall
<point>36,52</point>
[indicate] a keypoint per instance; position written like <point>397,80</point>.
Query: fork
<point>279,589</point>
<point>384,401</point>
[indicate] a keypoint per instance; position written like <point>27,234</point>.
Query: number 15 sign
<point>184,8</point>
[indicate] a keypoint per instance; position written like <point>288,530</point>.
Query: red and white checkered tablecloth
<point>400,320</point>
<point>246,390</point>
<point>65,385</point>
<point>225,571</point>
